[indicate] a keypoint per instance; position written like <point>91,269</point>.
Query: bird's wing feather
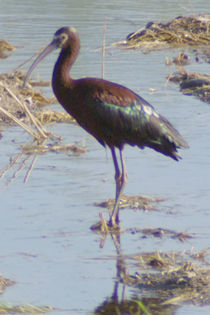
<point>115,116</point>
<point>130,115</point>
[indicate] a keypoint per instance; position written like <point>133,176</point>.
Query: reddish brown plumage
<point>82,96</point>
<point>112,113</point>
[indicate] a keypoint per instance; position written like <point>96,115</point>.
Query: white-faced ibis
<point>110,112</point>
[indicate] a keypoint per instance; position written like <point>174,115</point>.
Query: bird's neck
<point>61,74</point>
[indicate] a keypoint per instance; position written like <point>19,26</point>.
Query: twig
<point>103,48</point>
<point>103,56</point>
<point>10,165</point>
<point>33,119</point>
<point>18,170</point>
<point>104,226</point>
<point>24,126</point>
<point>28,173</point>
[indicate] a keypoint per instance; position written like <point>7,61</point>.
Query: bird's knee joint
<point>118,178</point>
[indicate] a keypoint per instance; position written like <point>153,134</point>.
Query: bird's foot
<point>106,227</point>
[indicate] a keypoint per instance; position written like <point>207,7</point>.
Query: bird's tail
<point>169,141</point>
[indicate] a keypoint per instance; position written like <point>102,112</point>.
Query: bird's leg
<point>120,180</point>
<point>123,180</point>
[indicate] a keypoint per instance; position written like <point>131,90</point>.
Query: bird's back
<point>115,115</point>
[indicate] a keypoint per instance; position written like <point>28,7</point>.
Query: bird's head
<point>62,38</point>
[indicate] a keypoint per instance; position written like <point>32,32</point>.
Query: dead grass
<point>24,309</point>
<point>6,49</point>
<point>133,202</point>
<point>192,83</point>
<point>26,107</point>
<point>26,103</point>
<point>19,309</point>
<point>4,283</point>
<point>161,283</point>
<point>175,277</point>
<point>160,233</point>
<point>182,31</point>
<point>36,148</point>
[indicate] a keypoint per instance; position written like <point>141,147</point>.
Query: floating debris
<point>161,283</point>
<point>144,306</point>
<point>202,55</point>
<point>20,105</point>
<point>103,227</point>
<point>6,49</point>
<point>160,233</point>
<point>178,280</point>
<point>19,309</point>
<point>192,84</point>
<point>24,309</point>
<point>134,202</point>
<point>28,156</point>
<point>51,116</point>
<point>26,107</point>
<point>181,31</point>
<point>181,60</point>
<point>201,255</point>
<point>34,98</point>
<point>4,283</point>
<point>43,148</point>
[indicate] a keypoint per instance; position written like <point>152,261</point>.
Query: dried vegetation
<point>182,32</point>
<point>19,309</point>
<point>26,107</point>
<point>6,49</point>
<point>144,203</point>
<point>132,202</point>
<point>174,278</point>
<point>26,104</point>
<point>192,83</point>
<point>161,283</point>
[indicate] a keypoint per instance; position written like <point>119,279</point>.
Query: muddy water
<point>46,245</point>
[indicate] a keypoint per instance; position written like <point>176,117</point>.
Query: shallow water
<point>46,244</point>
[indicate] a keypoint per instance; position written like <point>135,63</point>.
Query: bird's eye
<point>63,38</point>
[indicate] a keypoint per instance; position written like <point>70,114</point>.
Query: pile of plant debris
<point>174,278</point>
<point>26,107</point>
<point>161,283</point>
<point>15,100</point>
<point>6,49</point>
<point>181,31</point>
<point>19,309</point>
<point>160,233</point>
<point>140,202</point>
<point>132,202</point>
<point>4,283</point>
<point>192,83</point>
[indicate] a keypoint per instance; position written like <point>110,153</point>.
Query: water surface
<point>46,244</point>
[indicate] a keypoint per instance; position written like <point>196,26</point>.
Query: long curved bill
<point>47,50</point>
